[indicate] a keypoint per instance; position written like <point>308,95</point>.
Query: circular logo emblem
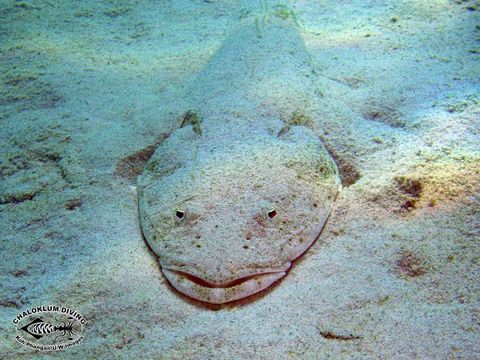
<point>49,328</point>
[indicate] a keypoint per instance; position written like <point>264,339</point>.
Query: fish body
<point>228,201</point>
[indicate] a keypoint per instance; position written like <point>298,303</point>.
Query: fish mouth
<point>220,293</point>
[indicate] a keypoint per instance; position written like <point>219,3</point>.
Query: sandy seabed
<point>87,90</point>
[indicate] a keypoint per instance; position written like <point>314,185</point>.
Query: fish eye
<point>272,213</point>
<point>180,214</point>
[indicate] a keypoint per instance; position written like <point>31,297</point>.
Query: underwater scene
<point>257,179</point>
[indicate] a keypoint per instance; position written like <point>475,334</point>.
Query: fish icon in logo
<point>39,328</point>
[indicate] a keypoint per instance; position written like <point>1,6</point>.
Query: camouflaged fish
<point>244,186</point>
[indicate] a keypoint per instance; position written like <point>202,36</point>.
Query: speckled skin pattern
<point>228,210</point>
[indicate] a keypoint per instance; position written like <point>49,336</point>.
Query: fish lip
<point>224,284</point>
<point>234,290</point>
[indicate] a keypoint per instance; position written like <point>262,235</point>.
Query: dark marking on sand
<point>348,172</point>
<point>410,265</point>
<point>73,203</point>
<point>132,165</point>
<point>385,115</point>
<point>16,198</point>
<point>10,303</point>
<point>331,336</point>
<point>412,188</point>
<point>29,92</point>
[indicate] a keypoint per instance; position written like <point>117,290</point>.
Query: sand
<point>88,89</point>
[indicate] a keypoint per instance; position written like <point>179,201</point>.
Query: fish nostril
<point>180,214</point>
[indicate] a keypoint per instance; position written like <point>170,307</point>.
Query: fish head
<point>229,222</point>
